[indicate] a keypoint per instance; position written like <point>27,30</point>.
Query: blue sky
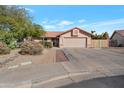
<point>61,18</point>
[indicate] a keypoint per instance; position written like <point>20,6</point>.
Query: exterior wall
<point>79,35</point>
<point>117,37</point>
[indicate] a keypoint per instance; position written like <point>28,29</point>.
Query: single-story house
<point>74,37</point>
<point>117,38</point>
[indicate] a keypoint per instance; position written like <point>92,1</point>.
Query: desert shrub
<point>4,49</point>
<point>42,42</point>
<point>46,44</point>
<point>31,48</point>
<point>2,45</point>
<point>49,44</point>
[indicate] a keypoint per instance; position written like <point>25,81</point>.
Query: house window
<point>75,32</point>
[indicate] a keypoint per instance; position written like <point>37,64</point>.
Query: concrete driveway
<point>102,60</point>
<point>97,68</point>
<point>84,65</point>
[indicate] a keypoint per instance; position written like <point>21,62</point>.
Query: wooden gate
<point>100,43</point>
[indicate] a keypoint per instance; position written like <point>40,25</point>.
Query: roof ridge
<point>119,30</point>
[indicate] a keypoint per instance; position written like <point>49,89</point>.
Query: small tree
<point>105,35</point>
<point>93,36</point>
<point>38,31</point>
<point>16,24</point>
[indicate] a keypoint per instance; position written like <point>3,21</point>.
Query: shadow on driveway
<point>105,82</point>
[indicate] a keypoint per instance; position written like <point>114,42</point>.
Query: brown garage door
<point>74,42</point>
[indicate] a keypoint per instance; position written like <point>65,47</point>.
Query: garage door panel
<point>74,42</point>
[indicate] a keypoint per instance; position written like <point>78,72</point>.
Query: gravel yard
<point>14,58</point>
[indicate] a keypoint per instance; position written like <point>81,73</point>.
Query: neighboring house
<point>117,38</point>
<point>74,37</point>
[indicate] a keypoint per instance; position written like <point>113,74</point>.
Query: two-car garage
<point>74,42</point>
<point>74,38</point>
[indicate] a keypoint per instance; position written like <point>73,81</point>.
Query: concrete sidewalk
<point>39,75</point>
<point>30,73</point>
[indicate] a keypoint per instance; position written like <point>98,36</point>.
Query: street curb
<point>59,78</point>
<point>26,84</point>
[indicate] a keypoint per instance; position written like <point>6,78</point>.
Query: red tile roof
<point>52,34</point>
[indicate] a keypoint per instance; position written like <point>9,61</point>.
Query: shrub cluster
<point>31,48</point>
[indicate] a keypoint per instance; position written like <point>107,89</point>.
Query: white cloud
<point>110,22</point>
<point>106,23</point>
<point>65,23</point>
<point>50,22</point>
<point>105,26</point>
<point>54,21</point>
<point>45,21</point>
<point>30,10</point>
<point>55,24</point>
<point>49,27</point>
<point>81,21</point>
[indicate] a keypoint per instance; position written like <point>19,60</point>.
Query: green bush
<point>47,44</point>
<point>31,48</point>
<point>8,39</point>
<point>12,44</point>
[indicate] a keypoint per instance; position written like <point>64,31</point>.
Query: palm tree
<point>92,32</point>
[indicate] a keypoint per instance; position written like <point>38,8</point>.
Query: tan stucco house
<point>74,37</point>
<point>117,38</point>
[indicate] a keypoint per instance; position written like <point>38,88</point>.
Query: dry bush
<point>31,48</point>
<point>4,49</point>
